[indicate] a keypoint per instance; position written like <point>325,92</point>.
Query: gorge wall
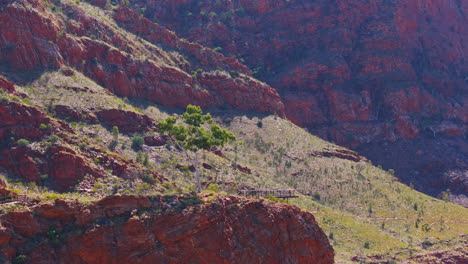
<point>382,77</point>
<point>364,74</point>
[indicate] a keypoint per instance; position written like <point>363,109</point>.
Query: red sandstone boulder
<point>70,114</point>
<point>156,140</point>
<point>21,162</point>
<point>126,121</point>
<point>21,121</point>
<point>66,167</point>
<point>6,86</point>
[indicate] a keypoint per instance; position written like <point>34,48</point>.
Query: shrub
<point>22,143</point>
<point>213,187</point>
<point>218,49</point>
<point>139,157</point>
<point>137,142</point>
<point>115,133</point>
<point>316,196</point>
<point>260,124</point>
<point>20,259</point>
<point>234,74</point>
<point>148,178</point>
<point>54,138</point>
<point>115,188</point>
<point>44,177</point>
<point>367,244</point>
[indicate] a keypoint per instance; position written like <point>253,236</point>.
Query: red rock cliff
<point>385,77</point>
<point>377,62</point>
<point>129,229</point>
<point>37,35</point>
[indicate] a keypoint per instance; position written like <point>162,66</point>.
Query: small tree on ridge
<point>192,136</point>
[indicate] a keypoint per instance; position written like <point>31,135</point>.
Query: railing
<point>278,193</point>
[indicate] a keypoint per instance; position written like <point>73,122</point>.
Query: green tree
<point>115,133</point>
<point>192,135</point>
<point>137,142</point>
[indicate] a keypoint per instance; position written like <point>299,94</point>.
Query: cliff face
<point>391,64</point>
<point>360,73</point>
<point>45,35</point>
<point>130,229</point>
<point>59,159</point>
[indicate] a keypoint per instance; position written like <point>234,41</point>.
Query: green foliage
<point>367,244</point>
<point>214,188</point>
<point>20,259</point>
<point>22,143</point>
<point>218,49</point>
<point>137,142</point>
<point>139,157</point>
<point>44,177</point>
<point>54,138</point>
<point>191,135</point>
<point>316,196</point>
<point>234,74</point>
<point>148,178</point>
<point>115,133</point>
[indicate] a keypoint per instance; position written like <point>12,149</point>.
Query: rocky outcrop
<point>6,86</point>
<point>130,229</point>
<point>126,121</point>
<point>22,122</point>
<point>156,140</point>
<point>33,38</point>
<point>62,165</point>
<point>359,73</point>
<point>68,113</point>
<point>340,62</point>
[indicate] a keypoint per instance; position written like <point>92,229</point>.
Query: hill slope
<point>359,73</point>
<point>57,140</point>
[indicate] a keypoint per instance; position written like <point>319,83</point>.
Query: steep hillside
<point>86,174</point>
<point>39,36</point>
<point>354,202</point>
<point>359,73</point>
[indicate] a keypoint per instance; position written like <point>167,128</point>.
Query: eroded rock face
<point>63,165</point>
<point>7,86</point>
<point>359,73</point>
<point>126,121</point>
<point>130,229</point>
<point>344,61</point>
<point>33,38</point>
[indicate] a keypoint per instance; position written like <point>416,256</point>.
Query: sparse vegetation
<point>137,142</point>
<point>22,143</point>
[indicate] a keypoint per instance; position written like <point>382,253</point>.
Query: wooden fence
<point>278,193</point>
